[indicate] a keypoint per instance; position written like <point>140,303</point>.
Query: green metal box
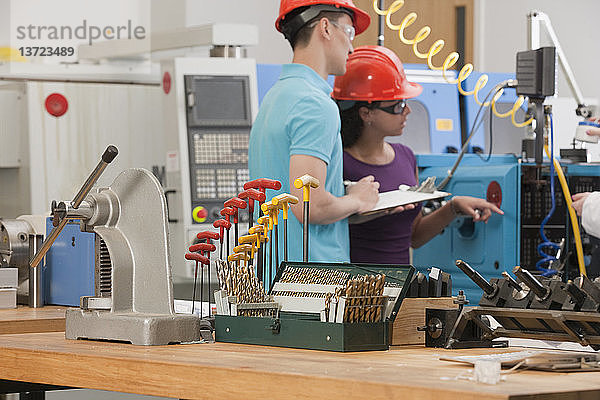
<point>306,331</point>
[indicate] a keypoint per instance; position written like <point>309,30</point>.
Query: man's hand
<point>479,209</point>
<point>578,200</point>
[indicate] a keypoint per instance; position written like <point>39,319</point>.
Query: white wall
<point>501,31</point>
<point>170,14</point>
<point>272,48</point>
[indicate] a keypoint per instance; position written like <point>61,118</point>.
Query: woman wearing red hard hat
<point>297,129</point>
<point>372,97</point>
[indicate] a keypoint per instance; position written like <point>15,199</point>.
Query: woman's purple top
<point>384,240</point>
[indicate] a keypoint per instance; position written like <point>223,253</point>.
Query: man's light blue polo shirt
<point>298,116</point>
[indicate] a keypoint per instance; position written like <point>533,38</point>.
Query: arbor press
<point>131,218</point>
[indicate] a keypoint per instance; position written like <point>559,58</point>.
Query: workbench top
<point>24,319</point>
<point>233,371</point>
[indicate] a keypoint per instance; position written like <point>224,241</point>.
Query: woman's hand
<point>479,209</point>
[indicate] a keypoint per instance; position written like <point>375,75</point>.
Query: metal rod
<point>36,294</point>
<point>227,239</point>
<point>589,288</point>
<point>194,289</point>
<point>276,230</point>
<point>250,213</point>
<point>259,261</point>
<point>476,277</point>
<point>268,271</point>
<point>511,281</point>
<point>201,289</point>
<point>236,230</point>
<point>285,243</point>
<point>209,294</point>
<point>381,25</point>
<point>48,243</point>
<point>532,283</point>
<point>305,232</point>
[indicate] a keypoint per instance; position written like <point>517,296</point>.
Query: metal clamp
<point>275,327</point>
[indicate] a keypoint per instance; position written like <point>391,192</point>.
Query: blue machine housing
<point>70,266</point>
<point>508,240</point>
<point>489,248</point>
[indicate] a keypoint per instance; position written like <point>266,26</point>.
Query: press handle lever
<point>109,154</point>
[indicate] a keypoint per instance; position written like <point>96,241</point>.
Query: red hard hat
<point>374,73</point>
<point>360,18</point>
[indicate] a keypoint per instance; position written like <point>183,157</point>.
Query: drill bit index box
<point>324,306</point>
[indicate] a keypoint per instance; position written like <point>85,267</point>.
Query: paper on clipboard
<point>399,197</point>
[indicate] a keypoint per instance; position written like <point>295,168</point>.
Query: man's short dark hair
<point>303,36</point>
<point>298,25</point>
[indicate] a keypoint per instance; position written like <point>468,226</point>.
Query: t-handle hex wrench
<point>222,224</point>
<point>203,261</point>
<point>273,211</point>
<point>236,203</point>
<point>228,213</point>
<point>209,236</point>
<point>252,195</point>
<point>109,154</point>
<point>284,200</point>
<point>306,182</point>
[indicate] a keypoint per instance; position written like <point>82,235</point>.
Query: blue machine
<point>507,138</point>
<point>70,265</point>
<point>511,239</point>
<point>490,248</point>
<point>434,123</point>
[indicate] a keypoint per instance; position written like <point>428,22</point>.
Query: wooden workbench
<point>232,371</point>
<point>29,320</point>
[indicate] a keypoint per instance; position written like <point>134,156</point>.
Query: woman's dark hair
<point>352,123</point>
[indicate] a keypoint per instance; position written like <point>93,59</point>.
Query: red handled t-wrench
<point>228,213</point>
<point>204,261</point>
<point>222,224</point>
<point>209,236</point>
<point>236,203</point>
<point>252,195</point>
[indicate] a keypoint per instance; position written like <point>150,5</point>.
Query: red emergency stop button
<point>199,214</point>
<point>166,82</point>
<point>494,194</point>
<point>56,104</point>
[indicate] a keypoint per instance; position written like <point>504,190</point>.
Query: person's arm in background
<point>425,228</point>
<point>594,131</point>
<point>587,205</point>
<point>325,208</point>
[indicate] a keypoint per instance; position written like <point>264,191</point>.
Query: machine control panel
<point>218,124</point>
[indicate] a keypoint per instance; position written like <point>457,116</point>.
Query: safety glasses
<point>396,108</point>
<point>347,29</point>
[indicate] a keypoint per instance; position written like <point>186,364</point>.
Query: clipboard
<point>395,198</point>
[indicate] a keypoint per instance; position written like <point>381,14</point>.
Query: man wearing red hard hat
<point>297,130</point>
